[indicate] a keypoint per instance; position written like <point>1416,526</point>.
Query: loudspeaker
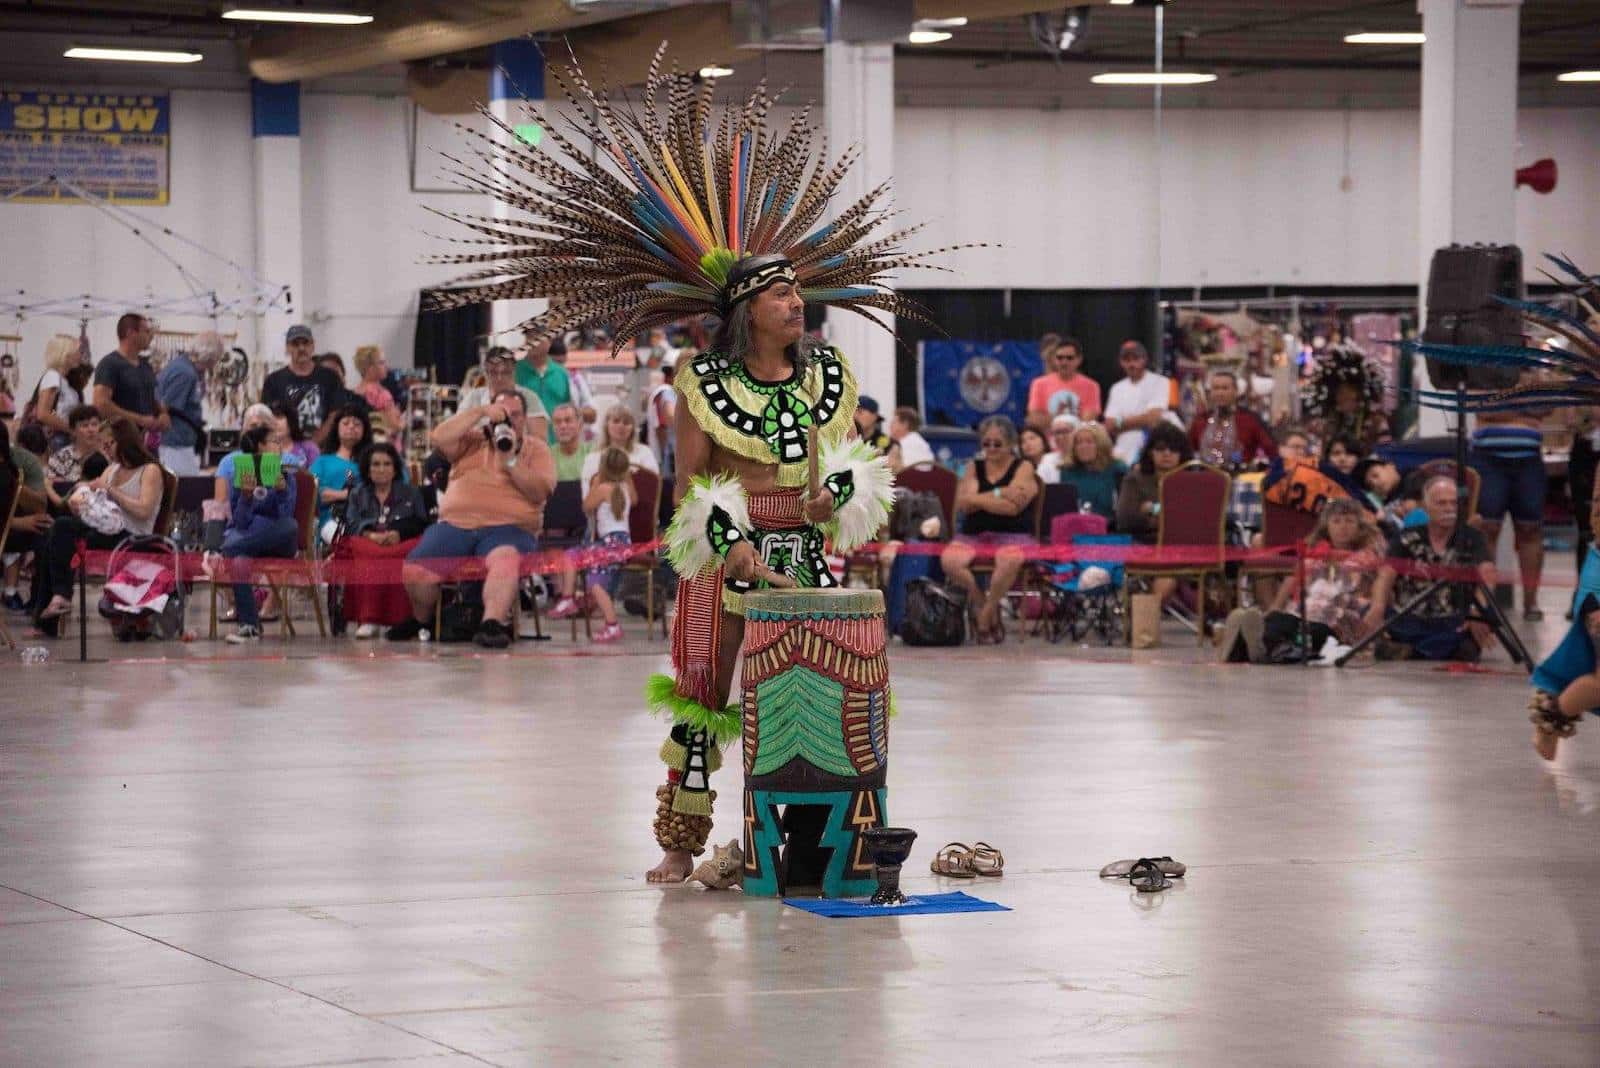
<point>1463,282</point>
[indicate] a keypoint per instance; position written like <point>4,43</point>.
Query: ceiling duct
<point>803,25</point>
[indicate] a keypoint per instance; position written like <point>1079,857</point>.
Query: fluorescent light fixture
<point>929,36</point>
<point>132,55</point>
<point>941,24</point>
<point>1150,77</point>
<point>1579,76</point>
<point>715,72</point>
<point>1121,3</point>
<point>1385,38</point>
<point>293,14</point>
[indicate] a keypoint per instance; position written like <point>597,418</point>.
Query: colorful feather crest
<point>1568,370</point>
<point>633,213</point>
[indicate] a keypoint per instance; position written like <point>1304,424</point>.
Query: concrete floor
<point>331,853</point>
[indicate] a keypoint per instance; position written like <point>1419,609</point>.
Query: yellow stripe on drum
<point>812,604</point>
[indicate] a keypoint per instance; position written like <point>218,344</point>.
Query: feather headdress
<point>1342,363</point>
<point>1571,365</point>
<point>636,214</point>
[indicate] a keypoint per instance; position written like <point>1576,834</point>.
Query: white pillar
<point>275,172</point>
<point>518,73</point>
<point>1469,133</point>
<point>858,97</point>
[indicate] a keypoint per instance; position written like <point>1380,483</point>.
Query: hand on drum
<point>743,565</point>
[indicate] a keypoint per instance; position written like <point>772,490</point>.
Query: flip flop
<point>1146,877</point>
<point>954,861</point>
<point>1120,869</point>
<point>988,861</point>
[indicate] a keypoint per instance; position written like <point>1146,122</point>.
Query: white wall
<point>1248,197</point>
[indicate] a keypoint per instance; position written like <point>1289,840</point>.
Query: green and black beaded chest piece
<point>776,413</point>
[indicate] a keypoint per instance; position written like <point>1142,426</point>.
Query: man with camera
<point>501,473</point>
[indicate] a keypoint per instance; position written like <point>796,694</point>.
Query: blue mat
<point>915,905</point>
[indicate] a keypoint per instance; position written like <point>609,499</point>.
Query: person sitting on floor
<point>1347,548</point>
<point>607,502</point>
<point>383,520</point>
<point>492,511</point>
<point>1092,469</point>
<point>261,522</point>
<point>995,498</point>
<point>1435,629</point>
<point>123,500</point>
<point>336,470</point>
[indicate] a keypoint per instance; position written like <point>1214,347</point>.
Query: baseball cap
<point>868,403</point>
<point>297,332</point>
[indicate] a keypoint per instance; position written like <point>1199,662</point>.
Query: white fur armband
<point>712,516</point>
<point>863,489</point>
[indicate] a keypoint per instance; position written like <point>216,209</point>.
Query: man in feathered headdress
<point>653,214</point>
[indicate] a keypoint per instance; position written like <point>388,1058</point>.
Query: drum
<point>816,738</point>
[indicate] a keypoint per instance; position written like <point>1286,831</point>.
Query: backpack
<point>934,615</point>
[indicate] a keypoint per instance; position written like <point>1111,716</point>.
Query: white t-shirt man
<point>1128,399</point>
<point>914,449</point>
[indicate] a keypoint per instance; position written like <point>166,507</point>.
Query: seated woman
<point>383,519</point>
<point>995,498</point>
<point>261,522</point>
<point>290,440</point>
<point>28,525</point>
<point>123,500</point>
<point>1348,548</point>
<point>336,469</point>
<point>1139,504</point>
<point>1032,446</point>
<point>1093,470</point>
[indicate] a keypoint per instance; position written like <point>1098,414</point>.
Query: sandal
<point>987,861</point>
<point>1121,869</point>
<point>1146,876</point>
<point>954,861</point>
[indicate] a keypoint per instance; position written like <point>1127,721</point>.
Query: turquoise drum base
<point>849,872</point>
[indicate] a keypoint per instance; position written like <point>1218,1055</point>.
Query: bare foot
<point>675,866</point>
<point>1545,743</point>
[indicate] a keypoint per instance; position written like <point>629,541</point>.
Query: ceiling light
<point>1153,78</point>
<point>941,24</point>
<point>928,36</point>
<point>1384,38</point>
<point>1579,76</point>
<point>132,55</point>
<point>294,14</point>
<point>715,72</point>
<point>1121,3</point>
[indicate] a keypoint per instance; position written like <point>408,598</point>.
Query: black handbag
<point>934,615</point>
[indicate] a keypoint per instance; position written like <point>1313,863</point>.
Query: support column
<point>518,74</point>
<point>275,172</point>
<point>858,97</point>
<point>1469,133</point>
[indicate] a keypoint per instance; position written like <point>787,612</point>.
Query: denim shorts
<point>606,575</point>
<point>1510,485</point>
<point>451,545</point>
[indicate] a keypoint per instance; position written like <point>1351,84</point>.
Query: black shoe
<point>492,634</point>
<point>404,632</point>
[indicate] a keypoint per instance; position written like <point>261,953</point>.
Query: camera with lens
<point>501,435</point>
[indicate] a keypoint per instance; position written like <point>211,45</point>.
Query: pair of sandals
<point>1147,874</point>
<point>958,860</point>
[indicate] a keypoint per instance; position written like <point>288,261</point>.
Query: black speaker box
<point>1463,281</point>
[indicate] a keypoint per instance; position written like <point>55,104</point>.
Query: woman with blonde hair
<point>1091,467</point>
<point>54,397</point>
<point>621,431</point>
<point>372,368</point>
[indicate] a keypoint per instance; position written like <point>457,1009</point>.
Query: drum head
<point>800,604</point>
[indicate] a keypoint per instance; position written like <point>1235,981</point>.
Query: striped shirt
<point>1509,442</point>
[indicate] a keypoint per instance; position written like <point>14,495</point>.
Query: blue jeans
<point>1434,638</point>
<point>276,539</point>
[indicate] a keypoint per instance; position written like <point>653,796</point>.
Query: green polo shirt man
<point>538,372</point>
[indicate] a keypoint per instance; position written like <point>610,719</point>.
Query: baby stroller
<point>142,597</point>
<point>1085,594</point>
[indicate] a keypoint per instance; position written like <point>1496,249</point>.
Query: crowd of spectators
<point>89,475</point>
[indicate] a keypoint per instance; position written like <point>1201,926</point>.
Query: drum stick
<point>811,458</point>
<point>777,580</point>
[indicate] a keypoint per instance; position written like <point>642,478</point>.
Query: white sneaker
<point>244,634</point>
<point>367,630</point>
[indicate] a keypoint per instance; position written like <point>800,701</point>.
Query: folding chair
<point>642,529</point>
